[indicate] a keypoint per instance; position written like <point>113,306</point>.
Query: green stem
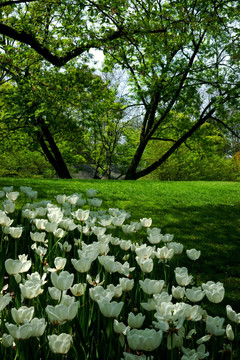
<point>53,248</point>
<point>81,236</point>
<point>1,241</point>
<point>172,358</point>
<point>165,272</point>
<point>98,326</point>
<point>16,246</point>
<point>236,337</point>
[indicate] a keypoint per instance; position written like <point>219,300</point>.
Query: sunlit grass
<point>204,215</point>
<point>200,215</point>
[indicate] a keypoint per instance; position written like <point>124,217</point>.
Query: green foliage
<point>74,107</point>
<point>203,157</point>
<point>17,159</point>
<point>185,165</point>
<point>187,68</point>
<point>22,163</point>
<point>180,56</point>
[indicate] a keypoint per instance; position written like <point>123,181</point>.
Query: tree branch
<point>226,126</point>
<point>177,144</point>
<point>13,2</point>
<point>162,139</point>
<point>59,61</point>
<point>178,90</point>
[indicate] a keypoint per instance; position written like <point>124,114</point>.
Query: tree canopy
<point>181,57</point>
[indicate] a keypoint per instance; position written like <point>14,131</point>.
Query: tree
<point>205,156</point>
<point>180,54</point>
<point>53,107</point>
<point>18,159</point>
<point>189,68</point>
<point>46,27</point>
<point>62,30</point>
<point>108,139</point>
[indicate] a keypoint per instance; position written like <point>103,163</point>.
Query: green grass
<point>201,215</point>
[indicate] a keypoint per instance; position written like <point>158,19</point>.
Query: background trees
<point>70,116</point>
<point>180,57</point>
<point>189,68</point>
<point>206,156</point>
<point>55,110</point>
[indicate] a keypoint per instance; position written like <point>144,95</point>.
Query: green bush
<point>24,163</point>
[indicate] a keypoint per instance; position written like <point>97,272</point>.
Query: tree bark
<point>54,156</point>
<point>131,171</point>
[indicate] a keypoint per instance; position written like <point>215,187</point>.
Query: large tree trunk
<point>53,154</point>
<point>132,173</point>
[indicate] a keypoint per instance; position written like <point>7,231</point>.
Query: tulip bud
<point>146,222</point>
<point>55,293</point>
<point>16,232</point>
<point>214,325</point>
<point>146,265</point>
<point>182,277</point>
<point>60,344</point>
<point>81,215</point>
<point>78,289</point>
<point>60,263</point>
<point>214,291</point>
<point>147,340</point>
<point>119,327</point>
<point>150,286</point>
<point>9,206</point>
<point>178,292</point>
<point>7,340</point>
<point>232,315</point>
<point>91,192</point>
<point>63,281</point>
<point>229,332</point>
<point>82,265</point>
<point>110,309</point>
<point>51,226</point>
<point>193,254</point>
<point>62,312</point>
<point>61,199</point>
<point>195,294</point>
<point>126,284</point>
<point>135,321</point>
<point>12,196</point>
<point>22,314</point>
<point>177,247</point>
<point>95,202</point>
<point>4,300</point>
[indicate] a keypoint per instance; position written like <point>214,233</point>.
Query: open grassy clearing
<point>201,215</point>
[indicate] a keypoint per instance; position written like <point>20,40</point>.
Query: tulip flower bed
<point>78,282</point>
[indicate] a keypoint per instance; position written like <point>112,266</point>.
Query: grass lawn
<point>201,215</point>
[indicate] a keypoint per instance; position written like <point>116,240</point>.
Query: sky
<point>98,57</point>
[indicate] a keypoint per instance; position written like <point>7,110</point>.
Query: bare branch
<point>179,88</point>
<point>226,126</point>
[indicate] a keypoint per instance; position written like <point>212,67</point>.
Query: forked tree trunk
<point>132,173</point>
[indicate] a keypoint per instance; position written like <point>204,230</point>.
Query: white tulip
<point>60,344</point>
